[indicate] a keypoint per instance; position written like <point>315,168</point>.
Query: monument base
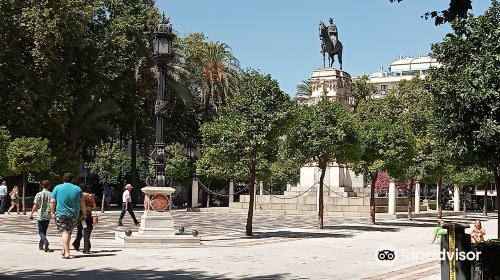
<point>157,223</point>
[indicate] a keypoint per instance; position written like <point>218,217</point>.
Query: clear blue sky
<point>280,37</point>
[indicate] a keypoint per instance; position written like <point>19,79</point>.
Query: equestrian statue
<point>330,43</point>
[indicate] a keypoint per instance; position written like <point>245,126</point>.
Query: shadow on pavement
<point>408,224</point>
<point>294,234</point>
<point>129,274</point>
<point>92,256</point>
<point>365,228</point>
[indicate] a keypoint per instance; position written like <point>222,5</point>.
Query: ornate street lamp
<point>157,223</point>
<point>162,54</point>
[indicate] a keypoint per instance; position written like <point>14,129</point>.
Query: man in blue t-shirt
<point>65,205</point>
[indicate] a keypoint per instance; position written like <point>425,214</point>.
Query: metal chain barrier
<point>220,194</point>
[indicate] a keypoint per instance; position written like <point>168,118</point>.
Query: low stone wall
<point>332,204</point>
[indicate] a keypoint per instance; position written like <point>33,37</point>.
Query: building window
<point>383,89</point>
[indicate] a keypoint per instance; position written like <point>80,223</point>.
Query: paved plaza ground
<point>284,247</point>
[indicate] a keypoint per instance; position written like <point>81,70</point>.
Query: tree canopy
<point>242,142</point>
<point>322,133</point>
<point>466,90</point>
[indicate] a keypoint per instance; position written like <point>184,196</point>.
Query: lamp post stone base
<point>157,224</point>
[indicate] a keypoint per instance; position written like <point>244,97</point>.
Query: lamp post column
<point>160,106</point>
<point>162,54</point>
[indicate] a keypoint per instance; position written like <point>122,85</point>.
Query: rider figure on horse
<point>333,33</point>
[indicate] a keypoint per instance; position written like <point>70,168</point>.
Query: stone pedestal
<point>157,223</point>
<point>335,84</point>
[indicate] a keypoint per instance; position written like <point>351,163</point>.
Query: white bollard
<point>456,198</point>
<point>392,198</point>
<point>231,191</point>
<point>417,197</point>
<point>194,193</point>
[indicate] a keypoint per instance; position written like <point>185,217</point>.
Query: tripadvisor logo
<point>388,255</point>
<point>459,255</point>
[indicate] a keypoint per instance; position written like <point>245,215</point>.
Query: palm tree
<point>220,75</point>
<point>89,122</point>
<point>304,91</point>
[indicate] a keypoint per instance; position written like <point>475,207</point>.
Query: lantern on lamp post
<point>162,54</point>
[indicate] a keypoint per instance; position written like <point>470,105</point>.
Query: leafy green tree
<point>28,154</point>
<point>144,168</point>
<point>323,132</point>
<point>110,163</point>
<point>457,9</point>
<point>362,90</point>
<point>471,176</point>
<point>386,145</point>
<point>466,90</point>
<point>4,144</point>
<point>179,166</point>
<point>242,142</point>
<point>412,105</point>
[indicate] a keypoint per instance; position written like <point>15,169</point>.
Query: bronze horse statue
<point>328,46</point>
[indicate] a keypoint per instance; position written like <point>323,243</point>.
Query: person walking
<point>88,222</point>
<point>3,196</point>
<point>42,206</point>
<point>108,195</point>
<point>14,199</point>
<point>127,206</point>
<point>65,205</point>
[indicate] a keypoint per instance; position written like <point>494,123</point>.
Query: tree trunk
<point>496,173</point>
<point>322,166</point>
<point>485,201</point>
<point>133,159</point>
<point>372,197</point>
<point>251,187</point>
<point>410,198</point>
<point>439,195</point>
<point>103,199</point>
<point>208,196</point>
<point>465,202</point>
<point>24,192</point>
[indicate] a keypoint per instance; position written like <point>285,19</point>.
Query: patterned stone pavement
<point>351,242</point>
<point>215,229</point>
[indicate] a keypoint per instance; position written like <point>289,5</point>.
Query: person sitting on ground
<point>439,231</point>
<point>478,233</point>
